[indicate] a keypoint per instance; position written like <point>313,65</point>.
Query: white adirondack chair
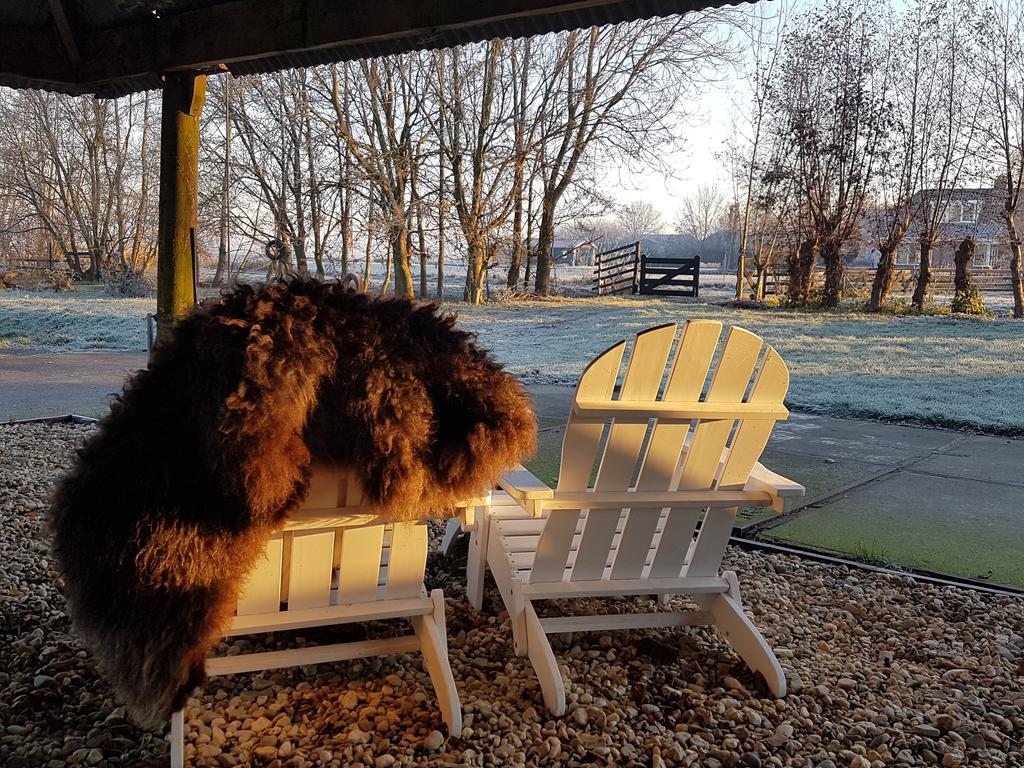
<point>337,562</point>
<point>660,462</point>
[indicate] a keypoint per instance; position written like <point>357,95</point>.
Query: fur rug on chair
<point>208,450</point>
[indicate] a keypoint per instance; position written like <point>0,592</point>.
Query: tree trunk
<point>474,290</point>
<point>222,250</point>
<point>545,242</point>
<point>885,275</point>
<point>400,256</point>
<point>924,275</point>
<point>440,245</point>
<point>801,270</point>
<point>517,241</point>
<point>1015,265</point>
<point>832,255</point>
<point>300,257</point>
<point>966,297</point>
<point>388,259</point>
<point>366,263</point>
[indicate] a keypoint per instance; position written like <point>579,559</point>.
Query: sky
<point>698,163</point>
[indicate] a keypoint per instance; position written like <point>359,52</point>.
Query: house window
<point>970,212</point>
<point>983,258</point>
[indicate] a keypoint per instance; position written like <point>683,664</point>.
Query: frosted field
<point>934,370</point>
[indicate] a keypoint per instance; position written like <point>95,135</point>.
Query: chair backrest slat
<point>261,592</point>
<point>579,451</point>
<point>752,436</point>
<point>407,560</point>
<point>336,564</point>
<point>309,583</point>
<point>641,383</point>
<point>686,381</point>
<point>359,565</point>
<point>729,384</point>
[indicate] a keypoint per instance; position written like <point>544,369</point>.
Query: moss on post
<point>183,97</point>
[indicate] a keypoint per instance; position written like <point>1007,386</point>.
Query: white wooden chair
<point>338,562</point>
<point>657,463</point>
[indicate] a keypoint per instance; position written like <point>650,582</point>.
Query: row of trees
<point>863,121</point>
<point>476,155</point>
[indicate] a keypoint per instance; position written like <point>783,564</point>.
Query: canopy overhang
<point>114,47</point>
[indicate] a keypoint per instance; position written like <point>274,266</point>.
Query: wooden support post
<point>183,97</point>
<point>636,267</point>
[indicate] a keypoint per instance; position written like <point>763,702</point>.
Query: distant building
<point>975,212</point>
<point>573,253</point>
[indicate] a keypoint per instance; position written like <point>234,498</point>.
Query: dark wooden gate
<point>669,276</point>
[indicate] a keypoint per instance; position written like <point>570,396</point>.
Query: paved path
<point>55,384</point>
<point>930,498</point>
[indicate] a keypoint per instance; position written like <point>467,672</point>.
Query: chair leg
<point>544,665</point>
<point>452,529</point>
<point>511,594</point>
<point>476,560</point>
<point>178,739</point>
<point>729,617</point>
<point>434,647</point>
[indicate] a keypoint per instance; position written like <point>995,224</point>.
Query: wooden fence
<point>669,276</point>
<point>859,279</point>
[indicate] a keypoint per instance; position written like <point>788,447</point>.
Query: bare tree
<point>1001,56</point>
<point>83,172</point>
<point>948,137</point>
<point>619,88</point>
<point>701,212</point>
<point>477,116</point>
<point>639,218</point>
<point>765,33</point>
<point>829,101</point>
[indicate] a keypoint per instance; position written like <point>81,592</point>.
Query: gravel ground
<point>883,671</point>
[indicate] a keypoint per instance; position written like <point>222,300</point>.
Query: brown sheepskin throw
<point>208,450</point>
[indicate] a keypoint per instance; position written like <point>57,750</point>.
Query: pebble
<point>942,690</point>
<point>357,736</point>
<point>434,741</point>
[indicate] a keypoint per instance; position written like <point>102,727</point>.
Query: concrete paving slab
<point>37,385</point>
<point>849,439</point>
<point>818,474</point>
<point>994,459</point>
<point>951,525</point>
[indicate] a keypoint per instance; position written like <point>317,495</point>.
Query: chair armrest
<point>520,483</point>
<point>781,489</point>
<point>466,509</point>
<point>527,489</point>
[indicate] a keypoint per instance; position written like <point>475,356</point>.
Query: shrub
<point>969,301</point>
<point>122,281</point>
<point>58,279</point>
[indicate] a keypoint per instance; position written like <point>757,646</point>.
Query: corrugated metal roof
<point>105,72</point>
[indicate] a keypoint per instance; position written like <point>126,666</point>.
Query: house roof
<point>988,224</point>
<point>115,47</point>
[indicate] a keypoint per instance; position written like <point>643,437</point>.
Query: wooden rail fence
<point>859,280</point>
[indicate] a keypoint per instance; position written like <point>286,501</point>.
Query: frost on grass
<point>946,370</point>
<point>72,322</point>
